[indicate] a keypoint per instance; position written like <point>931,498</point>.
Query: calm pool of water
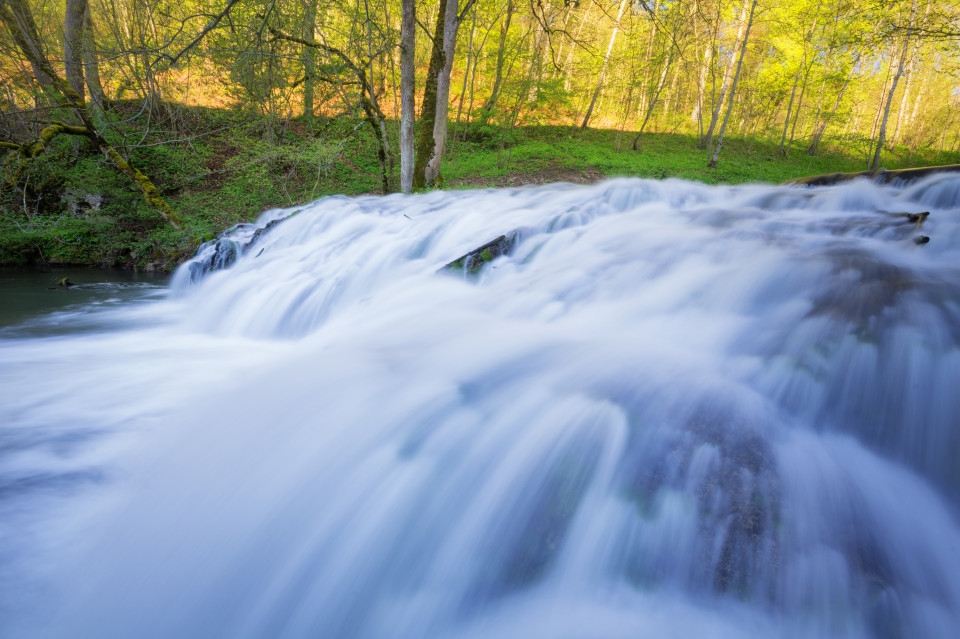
<point>35,303</point>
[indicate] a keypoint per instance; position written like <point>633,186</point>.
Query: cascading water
<point>672,410</point>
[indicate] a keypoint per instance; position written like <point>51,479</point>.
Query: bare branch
<point>207,29</point>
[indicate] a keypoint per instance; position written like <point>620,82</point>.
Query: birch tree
<point>733,88</point>
<point>603,68</point>
<point>901,63</point>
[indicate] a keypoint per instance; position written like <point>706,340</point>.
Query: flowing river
<point>668,410</point>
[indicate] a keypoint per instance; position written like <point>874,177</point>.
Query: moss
<point>150,192</point>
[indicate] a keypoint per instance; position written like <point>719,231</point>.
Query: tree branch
<point>203,33</point>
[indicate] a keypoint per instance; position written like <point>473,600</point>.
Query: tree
<point>881,136</point>
<point>491,103</point>
<point>432,137</point>
<point>707,139</point>
<point>407,93</point>
<point>18,19</point>
<point>733,88</point>
<point>603,68</point>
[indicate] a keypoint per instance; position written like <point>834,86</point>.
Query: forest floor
<point>72,207</point>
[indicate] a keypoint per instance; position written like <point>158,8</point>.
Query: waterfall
<point>665,410</point>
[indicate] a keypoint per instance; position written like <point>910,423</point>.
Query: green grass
<point>229,173</point>
<point>557,150</point>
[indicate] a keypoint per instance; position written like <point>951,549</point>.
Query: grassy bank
<point>72,207</point>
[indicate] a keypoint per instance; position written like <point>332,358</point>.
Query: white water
<point>674,411</point>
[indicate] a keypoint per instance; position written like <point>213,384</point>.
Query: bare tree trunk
<point>672,94</point>
<point>796,118</point>
<point>786,121</point>
<point>408,28</point>
<point>733,88</point>
<point>725,85</point>
<point>674,49</point>
<point>91,65</point>
<point>568,65</point>
<point>697,115</point>
<point>648,55</point>
<point>309,57</point>
<point>436,94</point>
<point>472,71</point>
<point>902,118</point>
<point>653,102</point>
<point>428,109</point>
<point>917,129</point>
<point>450,28</point>
<point>784,148</point>
<point>73,44</point>
<point>875,163</point>
<point>487,109</point>
<point>603,69</point>
<point>903,105</point>
<point>466,68</point>
<point>880,104</point>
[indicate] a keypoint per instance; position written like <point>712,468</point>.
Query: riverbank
<point>73,208</point>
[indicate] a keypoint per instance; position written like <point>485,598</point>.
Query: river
<point>669,410</point>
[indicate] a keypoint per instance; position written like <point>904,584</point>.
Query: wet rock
<point>259,233</point>
<point>471,263</point>
<point>879,175</point>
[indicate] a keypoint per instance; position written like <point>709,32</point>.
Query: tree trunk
<point>477,59</point>
<point>91,65</point>
<point>917,129</point>
<point>466,68</point>
<point>568,65</point>
<point>73,44</point>
<point>487,109</point>
<point>725,85</point>
<point>697,115</point>
<point>875,162</point>
<point>603,69</point>
<point>647,56</point>
<point>796,118</point>
<point>428,109</point>
<point>902,118</point>
<point>786,121</point>
<point>903,106</point>
<point>309,57</point>
<point>436,96</point>
<point>408,69</point>
<point>451,26</point>
<point>660,84</point>
<point>733,88</point>
<point>878,115</point>
<point>672,94</point>
<point>824,120</point>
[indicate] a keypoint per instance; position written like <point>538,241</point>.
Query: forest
<point>132,130</point>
